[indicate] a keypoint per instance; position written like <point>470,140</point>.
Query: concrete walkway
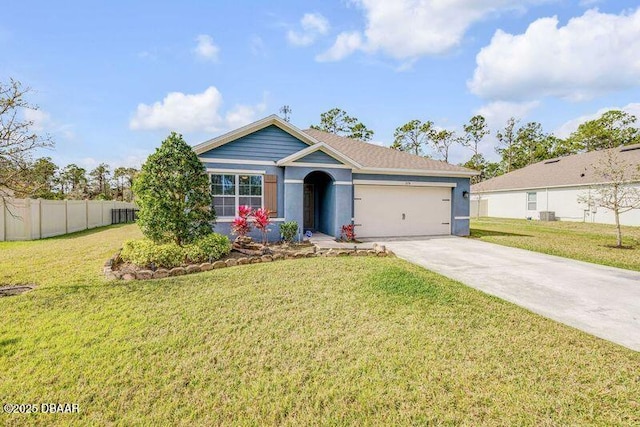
<point>603,301</point>
<point>323,241</point>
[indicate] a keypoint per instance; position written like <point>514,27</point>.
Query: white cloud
<point>206,49</point>
<point>496,115</point>
<point>313,25</point>
<point>40,119</point>
<point>314,22</point>
<point>241,115</point>
<point>66,131</point>
<point>133,159</point>
<point>258,47</point>
<point>593,54</point>
<point>498,112</point>
<point>145,54</point>
<point>89,163</point>
<point>128,157</point>
<point>180,111</point>
<point>43,123</point>
<point>346,43</point>
<point>192,112</point>
<point>568,127</point>
<point>408,29</point>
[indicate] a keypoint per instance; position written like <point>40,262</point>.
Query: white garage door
<point>382,210</point>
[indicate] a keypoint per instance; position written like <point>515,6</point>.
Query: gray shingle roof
<point>375,156</point>
<point>564,171</point>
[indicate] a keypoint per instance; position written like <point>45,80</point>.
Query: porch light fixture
<point>465,194</point>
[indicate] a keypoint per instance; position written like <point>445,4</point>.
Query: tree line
<point>20,176</point>
<point>517,145</point>
<point>44,179</point>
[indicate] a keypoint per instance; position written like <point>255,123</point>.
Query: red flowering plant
<point>348,233</point>
<point>240,224</point>
<point>244,211</point>
<point>262,221</point>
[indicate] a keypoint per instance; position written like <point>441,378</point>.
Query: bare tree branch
<point>17,141</point>
<point>619,191</point>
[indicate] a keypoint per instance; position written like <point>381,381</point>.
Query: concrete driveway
<point>603,301</point>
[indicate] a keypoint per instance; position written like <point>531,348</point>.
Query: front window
<point>231,191</point>
<point>532,201</point>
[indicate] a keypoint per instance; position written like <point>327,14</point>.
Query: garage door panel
<point>383,211</point>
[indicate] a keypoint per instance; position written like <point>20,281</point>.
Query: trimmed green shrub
<point>211,247</point>
<point>289,230</point>
<point>174,194</point>
<point>144,252</point>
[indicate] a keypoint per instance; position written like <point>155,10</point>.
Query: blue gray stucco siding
<point>300,172</point>
<point>337,209</point>
<point>268,144</point>
<point>318,157</point>
<point>343,207</point>
<point>459,205</point>
<point>224,227</point>
<point>326,210</point>
<point>293,199</point>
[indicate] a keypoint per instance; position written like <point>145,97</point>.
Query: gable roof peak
<point>325,148</point>
<point>272,120</point>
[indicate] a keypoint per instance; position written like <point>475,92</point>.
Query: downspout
<point>547,191</point>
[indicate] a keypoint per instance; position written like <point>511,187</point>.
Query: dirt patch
<point>619,247</point>
<point>9,290</point>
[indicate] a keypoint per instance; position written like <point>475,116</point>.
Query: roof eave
<point>417,172</point>
<point>544,187</point>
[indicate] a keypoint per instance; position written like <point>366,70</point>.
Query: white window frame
<point>237,195</point>
<point>534,201</point>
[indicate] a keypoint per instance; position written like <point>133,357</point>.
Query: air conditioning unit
<point>547,216</point>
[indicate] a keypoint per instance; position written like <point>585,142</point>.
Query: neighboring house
<point>554,185</point>
<point>324,181</point>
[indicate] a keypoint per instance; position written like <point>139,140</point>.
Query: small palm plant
<point>262,221</point>
<point>240,225</point>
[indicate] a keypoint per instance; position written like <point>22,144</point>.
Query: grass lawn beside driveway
<point>577,240</point>
<point>347,340</point>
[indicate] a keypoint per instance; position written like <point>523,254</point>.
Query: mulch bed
<point>241,253</point>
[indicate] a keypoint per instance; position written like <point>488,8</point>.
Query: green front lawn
<point>305,342</point>
<point>582,241</point>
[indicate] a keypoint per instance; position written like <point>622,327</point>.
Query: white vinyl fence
<point>479,207</point>
<point>29,219</point>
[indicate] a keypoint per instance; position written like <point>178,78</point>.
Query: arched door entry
<point>319,203</point>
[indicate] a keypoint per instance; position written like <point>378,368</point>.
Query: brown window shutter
<point>271,194</point>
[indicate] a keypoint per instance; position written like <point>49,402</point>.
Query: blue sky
<point>112,79</point>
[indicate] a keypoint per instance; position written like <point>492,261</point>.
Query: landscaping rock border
<point>130,272</point>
